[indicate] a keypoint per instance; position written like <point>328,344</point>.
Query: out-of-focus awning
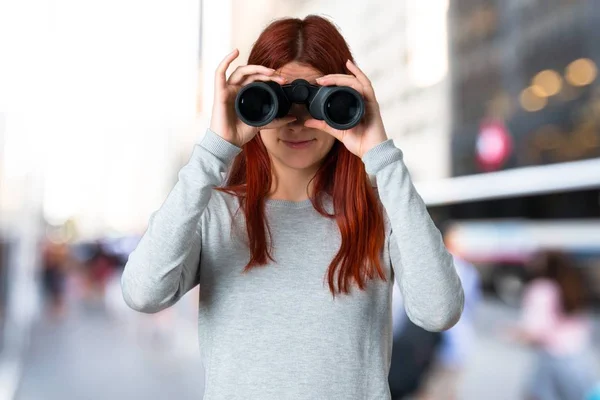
<point>575,175</point>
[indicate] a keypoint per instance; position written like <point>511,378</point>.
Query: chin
<point>299,163</point>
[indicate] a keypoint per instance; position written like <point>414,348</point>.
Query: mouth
<point>298,144</point>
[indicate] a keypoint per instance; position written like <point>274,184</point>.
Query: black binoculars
<point>259,103</point>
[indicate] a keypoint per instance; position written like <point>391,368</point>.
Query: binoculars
<point>259,103</point>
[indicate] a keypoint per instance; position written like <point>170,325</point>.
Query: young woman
<point>296,252</point>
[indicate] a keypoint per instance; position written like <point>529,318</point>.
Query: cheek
<point>328,142</point>
<point>269,137</point>
<point>324,148</point>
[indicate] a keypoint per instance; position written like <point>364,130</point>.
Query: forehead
<point>296,70</point>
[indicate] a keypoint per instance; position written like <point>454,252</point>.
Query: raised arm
<point>423,267</point>
<point>165,264</point>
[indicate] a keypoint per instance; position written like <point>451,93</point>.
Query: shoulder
<point>221,206</point>
<point>223,220</point>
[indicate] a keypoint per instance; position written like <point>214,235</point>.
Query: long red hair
<point>316,42</point>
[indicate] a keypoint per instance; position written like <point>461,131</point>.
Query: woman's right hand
<point>224,121</point>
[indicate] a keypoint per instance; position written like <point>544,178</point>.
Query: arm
<point>164,265</point>
<point>424,269</point>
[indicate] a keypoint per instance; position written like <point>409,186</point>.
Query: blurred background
<point>495,103</point>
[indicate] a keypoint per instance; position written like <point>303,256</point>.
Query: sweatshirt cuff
<point>219,147</point>
<point>381,156</point>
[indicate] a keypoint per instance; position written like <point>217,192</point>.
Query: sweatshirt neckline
<point>290,204</point>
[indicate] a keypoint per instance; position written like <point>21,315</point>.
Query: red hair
<point>316,42</point>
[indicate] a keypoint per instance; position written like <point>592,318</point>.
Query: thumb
<point>322,126</point>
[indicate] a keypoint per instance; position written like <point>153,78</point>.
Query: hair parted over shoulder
<point>314,41</point>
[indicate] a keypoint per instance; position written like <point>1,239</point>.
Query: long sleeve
<point>165,264</point>
<point>424,269</point>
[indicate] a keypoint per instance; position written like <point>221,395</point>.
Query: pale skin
<point>293,168</point>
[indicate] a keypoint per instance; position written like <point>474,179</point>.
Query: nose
<point>296,126</point>
<point>299,111</point>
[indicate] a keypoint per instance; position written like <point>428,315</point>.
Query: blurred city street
<point>495,105</point>
<point>499,368</point>
<point>92,356</point>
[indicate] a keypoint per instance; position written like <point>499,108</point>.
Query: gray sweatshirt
<point>276,332</point>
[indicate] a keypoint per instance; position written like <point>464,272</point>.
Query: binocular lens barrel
<point>258,103</point>
<point>342,107</point>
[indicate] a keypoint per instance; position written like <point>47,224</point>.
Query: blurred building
<point>20,230</point>
<point>525,132</point>
<point>532,66</point>
<point>108,106</point>
<point>87,121</point>
<point>524,93</point>
<point>3,246</point>
<point>525,99</point>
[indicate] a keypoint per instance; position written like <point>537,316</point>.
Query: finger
<point>258,77</point>
<point>341,80</point>
<point>220,77</point>
<point>322,126</point>
<point>279,122</point>
<point>241,72</point>
<point>336,76</point>
<point>362,78</point>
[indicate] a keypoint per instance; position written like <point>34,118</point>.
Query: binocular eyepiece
<point>259,103</point>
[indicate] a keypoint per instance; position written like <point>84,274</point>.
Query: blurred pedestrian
<point>555,322</point>
<point>413,352</point>
<point>54,264</point>
<point>100,268</point>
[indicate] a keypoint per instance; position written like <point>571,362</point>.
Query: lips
<point>298,144</point>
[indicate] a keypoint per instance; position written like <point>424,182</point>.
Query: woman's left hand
<point>369,132</point>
